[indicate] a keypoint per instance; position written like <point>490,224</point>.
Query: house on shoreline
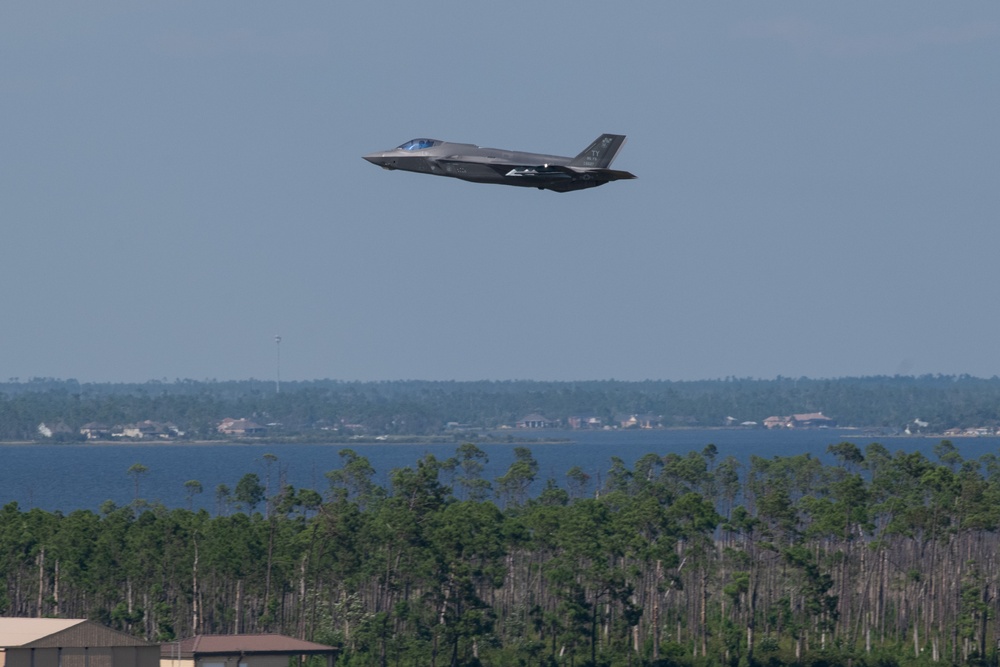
<point>585,421</point>
<point>535,420</point>
<point>95,431</point>
<point>804,420</point>
<point>643,421</point>
<point>240,428</point>
<point>147,430</point>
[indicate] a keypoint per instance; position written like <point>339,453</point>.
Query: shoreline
<point>491,437</point>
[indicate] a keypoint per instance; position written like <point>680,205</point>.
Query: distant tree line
<point>877,559</point>
<point>305,409</point>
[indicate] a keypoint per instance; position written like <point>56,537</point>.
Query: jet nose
<point>381,159</point>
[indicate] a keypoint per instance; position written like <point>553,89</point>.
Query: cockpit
<point>417,144</point>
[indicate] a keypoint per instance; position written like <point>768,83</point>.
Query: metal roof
<point>241,645</point>
<point>21,631</point>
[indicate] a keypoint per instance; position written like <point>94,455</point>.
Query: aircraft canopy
<point>417,144</point>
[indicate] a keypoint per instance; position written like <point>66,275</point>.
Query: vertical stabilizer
<point>600,153</point>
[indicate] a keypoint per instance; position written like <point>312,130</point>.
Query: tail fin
<point>600,153</point>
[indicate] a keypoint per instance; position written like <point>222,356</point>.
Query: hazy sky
<point>818,191</point>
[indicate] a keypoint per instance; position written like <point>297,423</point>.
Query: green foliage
<point>249,492</point>
<point>818,564</point>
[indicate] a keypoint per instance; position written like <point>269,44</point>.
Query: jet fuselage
<point>493,165</point>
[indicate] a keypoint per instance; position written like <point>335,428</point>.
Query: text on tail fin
<point>600,153</point>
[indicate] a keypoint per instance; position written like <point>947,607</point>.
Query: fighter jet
<point>493,165</point>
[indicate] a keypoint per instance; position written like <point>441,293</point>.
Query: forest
<point>328,409</point>
<point>871,558</point>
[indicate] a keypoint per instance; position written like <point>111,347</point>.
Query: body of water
<point>83,476</point>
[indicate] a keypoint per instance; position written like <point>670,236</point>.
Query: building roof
<point>31,633</point>
<point>21,631</point>
<point>229,425</point>
<point>811,416</point>
<point>241,645</point>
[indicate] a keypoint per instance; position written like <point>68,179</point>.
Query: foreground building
<point>241,651</point>
<point>71,642</point>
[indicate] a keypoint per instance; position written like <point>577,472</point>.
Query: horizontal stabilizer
<point>611,174</point>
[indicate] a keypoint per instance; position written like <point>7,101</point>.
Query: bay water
<point>83,476</point>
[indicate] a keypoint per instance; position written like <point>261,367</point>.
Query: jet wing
<point>505,168</point>
<point>601,174</point>
<point>542,171</point>
<point>545,172</point>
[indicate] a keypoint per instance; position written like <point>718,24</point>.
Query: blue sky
<point>818,191</point>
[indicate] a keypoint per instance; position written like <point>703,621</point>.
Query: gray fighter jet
<point>493,165</point>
